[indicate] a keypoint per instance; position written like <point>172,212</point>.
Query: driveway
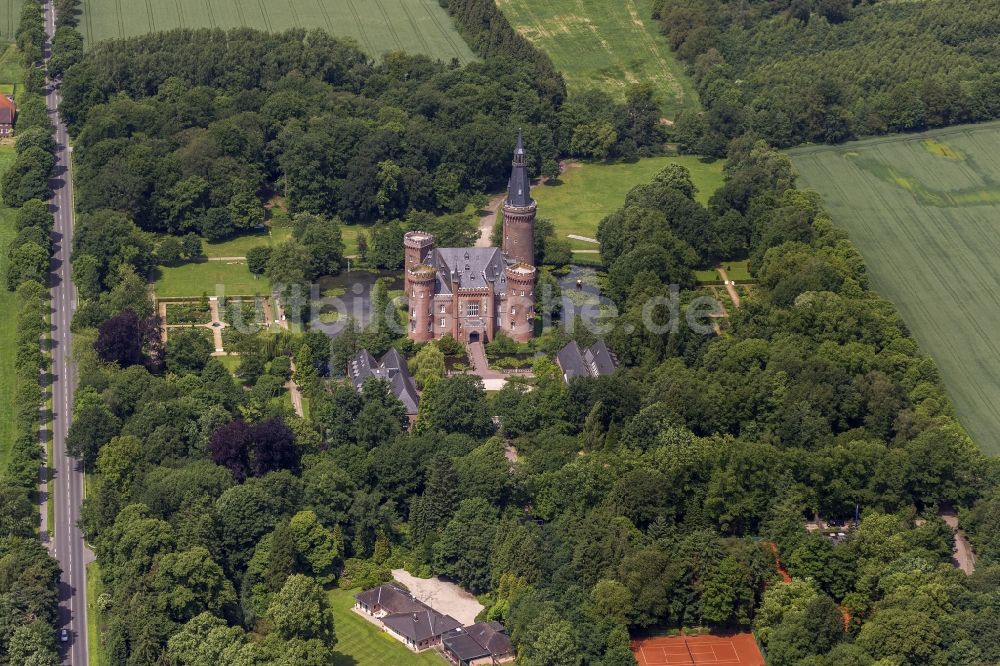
<point>442,596</point>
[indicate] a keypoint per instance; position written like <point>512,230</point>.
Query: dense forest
<point>639,499</point>
<point>212,123</point>
<point>796,71</point>
<point>659,496</point>
<point>643,499</point>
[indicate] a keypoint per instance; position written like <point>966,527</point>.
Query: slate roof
<point>392,368</point>
<point>570,359</point>
<point>391,598</point>
<point>420,625</point>
<point>593,361</point>
<point>468,267</point>
<point>484,639</point>
<point>519,185</point>
<point>599,359</point>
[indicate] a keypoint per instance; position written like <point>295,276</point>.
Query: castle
<point>475,292</point>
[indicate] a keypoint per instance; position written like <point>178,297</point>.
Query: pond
<point>582,296</point>
<point>348,296</point>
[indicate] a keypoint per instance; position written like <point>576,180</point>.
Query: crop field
<point>8,333</point>
<point>588,191</point>
<point>378,26</point>
<point>604,45</point>
<point>924,210</point>
<point>10,14</point>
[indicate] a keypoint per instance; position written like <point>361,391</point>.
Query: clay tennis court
<point>730,650</point>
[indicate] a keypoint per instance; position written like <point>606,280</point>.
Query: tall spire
<point>519,187</point>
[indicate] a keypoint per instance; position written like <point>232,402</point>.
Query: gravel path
<point>442,596</point>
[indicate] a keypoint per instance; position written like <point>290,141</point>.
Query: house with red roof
<point>8,114</point>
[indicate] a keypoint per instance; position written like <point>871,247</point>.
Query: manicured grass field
<point>590,191</point>
<point>238,246</point>
<point>924,210</point>
<point>604,45</point>
<point>8,337</point>
<point>198,278</point>
<point>360,643</point>
<point>378,26</point>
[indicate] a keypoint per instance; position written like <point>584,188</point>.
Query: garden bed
<point>197,313</point>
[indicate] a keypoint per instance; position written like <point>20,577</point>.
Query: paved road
<point>68,546</point>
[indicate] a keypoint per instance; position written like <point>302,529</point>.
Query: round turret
<point>518,305</point>
<point>420,279</point>
<point>417,245</point>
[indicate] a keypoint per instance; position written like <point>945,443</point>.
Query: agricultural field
<point>8,333</point>
<point>588,191</point>
<point>378,26</point>
<point>604,45</point>
<point>361,643</point>
<point>10,14</point>
<point>924,210</point>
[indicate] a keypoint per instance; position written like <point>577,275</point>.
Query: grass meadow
<point>360,643</point>
<point>202,277</point>
<point>378,26</point>
<point>924,210</point>
<point>604,45</point>
<point>588,191</point>
<point>239,245</point>
<point>8,316</point>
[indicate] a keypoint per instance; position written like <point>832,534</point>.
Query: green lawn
<point>924,210</point>
<point>8,323</point>
<point>95,649</point>
<point>11,68</point>
<point>231,363</point>
<point>360,643</point>
<point>206,276</point>
<point>378,26</point>
<point>590,191</point>
<point>238,246</point>
<point>604,45</point>
<point>738,271</point>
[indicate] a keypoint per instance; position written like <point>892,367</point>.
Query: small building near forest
<point>392,368</point>
<point>593,361</point>
<point>405,618</point>
<point>480,644</point>
<point>8,115</point>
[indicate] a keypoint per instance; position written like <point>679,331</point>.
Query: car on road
<point>63,635</point>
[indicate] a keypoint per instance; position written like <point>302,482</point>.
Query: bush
<point>364,574</point>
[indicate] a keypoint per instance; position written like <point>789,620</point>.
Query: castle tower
<point>519,211</point>
<point>416,246</point>
<point>420,287</point>
<point>518,306</point>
